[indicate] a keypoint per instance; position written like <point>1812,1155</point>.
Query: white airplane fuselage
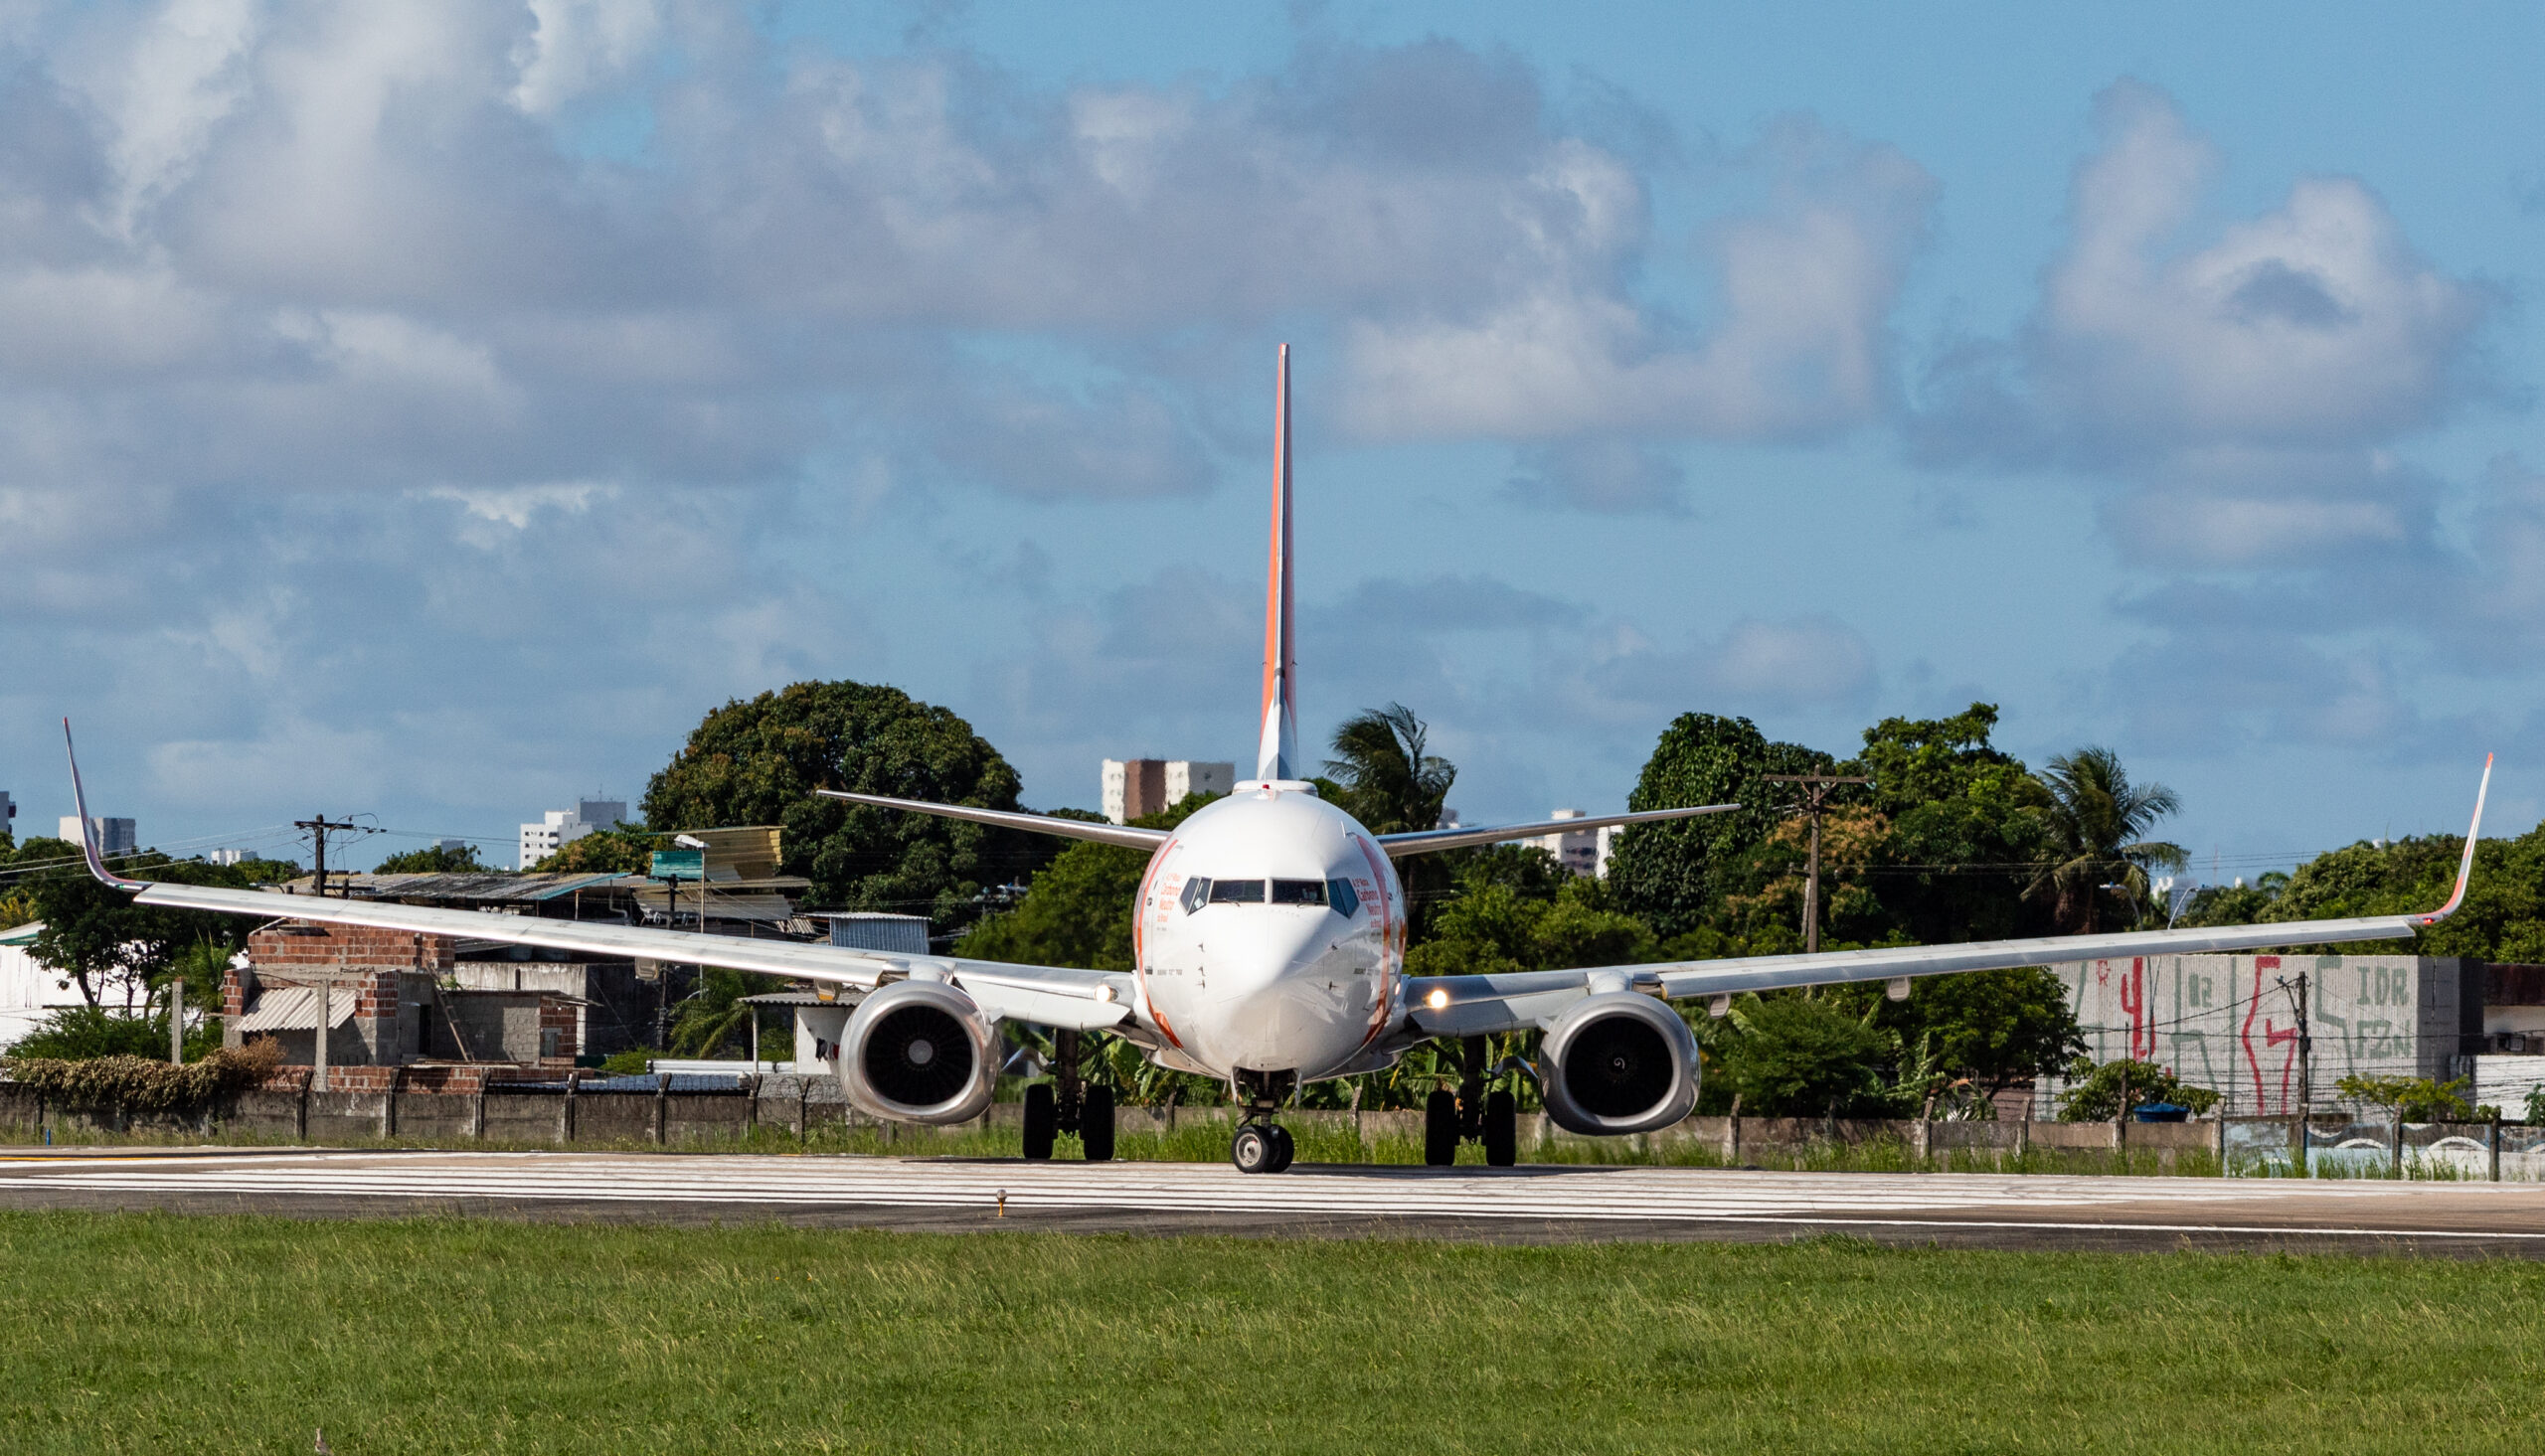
<point>1270,937</point>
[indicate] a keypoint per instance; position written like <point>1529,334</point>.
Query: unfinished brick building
<point>392,1000</point>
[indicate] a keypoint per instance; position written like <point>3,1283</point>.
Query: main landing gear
<point>1067,1104</point>
<point>1471,1114</point>
<point>1261,1145</point>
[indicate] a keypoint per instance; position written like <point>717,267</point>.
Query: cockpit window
<point>1197,892</point>
<point>1340,894</point>
<point>1237,891</point>
<point>1299,891</point>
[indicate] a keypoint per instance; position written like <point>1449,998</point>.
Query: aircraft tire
<point>1501,1129</point>
<point>1285,1149</point>
<point>1440,1128</point>
<point>1253,1149</point>
<point>1042,1122</point>
<point>1096,1123</point>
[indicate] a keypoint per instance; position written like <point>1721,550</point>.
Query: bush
<point>2411,1098</point>
<point>78,1033</point>
<point>1807,1057</point>
<point>2093,1093</point>
<point>139,1085</point>
<point>630,1062</point>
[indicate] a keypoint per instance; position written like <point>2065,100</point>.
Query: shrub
<point>140,1084</point>
<point>2411,1098</point>
<point>2095,1092</point>
<point>77,1033</point>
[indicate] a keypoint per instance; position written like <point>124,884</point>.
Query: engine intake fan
<point>919,1052</point>
<point>1617,1062</point>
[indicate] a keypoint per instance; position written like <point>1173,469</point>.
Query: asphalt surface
<point>1527,1205</point>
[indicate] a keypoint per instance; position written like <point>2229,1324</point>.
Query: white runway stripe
<point>1582,1194</point>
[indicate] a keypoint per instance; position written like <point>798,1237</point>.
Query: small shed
<point>822,1020</point>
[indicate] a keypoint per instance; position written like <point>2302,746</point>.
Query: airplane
<point>1268,952</point>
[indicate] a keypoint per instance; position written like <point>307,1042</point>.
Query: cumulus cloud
<point>1799,349</point>
<point>2242,382</point>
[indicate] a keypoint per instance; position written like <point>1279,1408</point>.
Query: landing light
<point>1103,993</point>
<point>1437,1000</point>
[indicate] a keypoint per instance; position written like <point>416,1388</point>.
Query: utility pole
<point>319,829</point>
<point>1815,795</point>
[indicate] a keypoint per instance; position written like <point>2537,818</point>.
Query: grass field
<point>153,1333</point>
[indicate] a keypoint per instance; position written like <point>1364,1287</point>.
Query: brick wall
<point>558,1017</point>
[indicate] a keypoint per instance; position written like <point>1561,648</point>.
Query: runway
<point>1545,1204</point>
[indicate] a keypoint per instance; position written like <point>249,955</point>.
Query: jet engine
<point>1617,1062</point>
<point>919,1052</point>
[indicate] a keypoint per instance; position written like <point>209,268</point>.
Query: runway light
<point>1437,1000</point>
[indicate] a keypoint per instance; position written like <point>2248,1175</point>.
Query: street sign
<point>679,864</point>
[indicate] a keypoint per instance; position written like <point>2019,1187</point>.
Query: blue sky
<point>428,411</point>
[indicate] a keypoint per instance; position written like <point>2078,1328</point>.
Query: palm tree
<point>2098,822</point>
<point>1389,783</point>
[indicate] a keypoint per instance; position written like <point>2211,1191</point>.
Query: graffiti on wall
<point>2231,1023</point>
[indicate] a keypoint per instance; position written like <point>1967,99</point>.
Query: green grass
<point>156,1332</point>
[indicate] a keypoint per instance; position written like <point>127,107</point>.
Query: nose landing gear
<point>1471,1114</point>
<point>1261,1145</point>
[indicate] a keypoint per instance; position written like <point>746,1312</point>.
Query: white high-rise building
<point>1580,851</point>
<point>559,828</point>
<point>114,835</point>
<point>1135,787</point>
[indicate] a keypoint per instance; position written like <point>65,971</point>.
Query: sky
<point>428,412</point>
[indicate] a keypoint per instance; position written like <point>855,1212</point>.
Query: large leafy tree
<point>1993,1028</point>
<point>114,949</point>
<point>433,860</point>
<point>1801,1056</point>
<point>1672,874</point>
<point>760,761</point>
<point>1960,816</point>
<point>2097,824</point>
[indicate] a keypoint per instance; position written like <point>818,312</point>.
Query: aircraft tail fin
<point>1276,754</point>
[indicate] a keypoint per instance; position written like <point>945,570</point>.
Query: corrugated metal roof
<point>23,936</point>
<point>295,1008</point>
<point>482,887</point>
<point>802,998</point>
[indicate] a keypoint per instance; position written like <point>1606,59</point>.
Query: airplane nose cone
<point>1283,1001</point>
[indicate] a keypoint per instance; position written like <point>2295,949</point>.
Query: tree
<point>759,763</point>
<point>1076,911</point>
<point>1960,815</point>
<point>1389,782</point>
<point>1671,874</point>
<point>1995,1027</point>
<point>2098,822</point>
<point>1804,1056</point>
<point>1494,925</point>
<point>433,860</point>
<point>715,1019</point>
<point>617,850</point>
<point>109,946</point>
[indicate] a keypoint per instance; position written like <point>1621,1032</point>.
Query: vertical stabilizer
<point>1277,754</point>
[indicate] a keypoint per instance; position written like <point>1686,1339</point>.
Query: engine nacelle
<point>1617,1062</point>
<point>919,1052</point>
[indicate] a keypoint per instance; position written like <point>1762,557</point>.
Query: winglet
<point>1276,754</point>
<point>2465,864</point>
<point>89,826</point>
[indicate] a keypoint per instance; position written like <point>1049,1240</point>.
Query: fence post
<point>2222,1142</point>
<point>478,1111</point>
<point>662,1097</point>
<point>750,1112</point>
<point>2399,1140</point>
<point>1922,1140</point>
<point>804,1102</point>
<point>566,1110</point>
<point>2493,1148</point>
<point>300,1125</point>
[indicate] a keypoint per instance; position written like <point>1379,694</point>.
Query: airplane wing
<point>1050,996</point>
<point>1472,1005</point>
<point>1101,832</point>
<point>1427,841</point>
